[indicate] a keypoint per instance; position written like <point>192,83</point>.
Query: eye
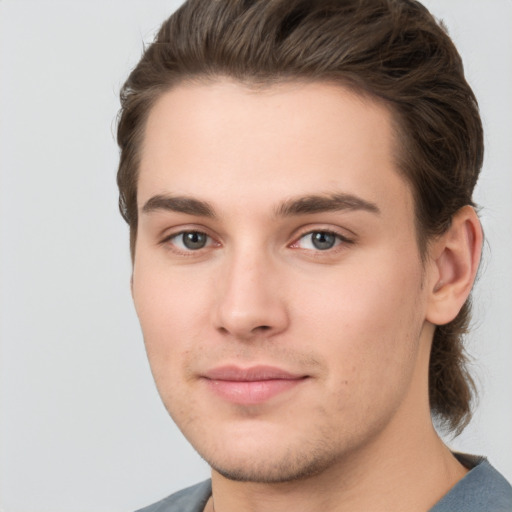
<point>319,240</point>
<point>190,240</point>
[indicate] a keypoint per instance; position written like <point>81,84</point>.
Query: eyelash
<point>341,240</point>
<point>167,241</point>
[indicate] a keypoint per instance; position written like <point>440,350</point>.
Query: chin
<point>272,466</point>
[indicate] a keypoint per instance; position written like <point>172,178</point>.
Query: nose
<point>250,298</point>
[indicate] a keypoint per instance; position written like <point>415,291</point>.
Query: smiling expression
<point>277,276</point>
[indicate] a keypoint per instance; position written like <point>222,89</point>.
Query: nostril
<point>250,333</point>
<point>262,328</point>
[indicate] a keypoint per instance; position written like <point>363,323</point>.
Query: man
<point>298,178</point>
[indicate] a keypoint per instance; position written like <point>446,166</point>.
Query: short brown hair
<point>392,50</point>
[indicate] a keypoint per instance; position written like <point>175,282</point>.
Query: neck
<point>411,476</point>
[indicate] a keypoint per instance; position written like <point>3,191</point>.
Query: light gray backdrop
<point>82,428</point>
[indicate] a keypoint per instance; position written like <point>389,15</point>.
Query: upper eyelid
<point>329,231</point>
<point>178,233</point>
<point>346,237</point>
<point>169,233</point>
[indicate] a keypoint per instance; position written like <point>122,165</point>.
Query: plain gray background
<point>81,425</point>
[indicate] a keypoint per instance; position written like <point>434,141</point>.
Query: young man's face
<point>277,276</point>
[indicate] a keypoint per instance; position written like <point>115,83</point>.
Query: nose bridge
<point>249,299</point>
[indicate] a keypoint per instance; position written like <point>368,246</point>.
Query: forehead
<point>224,141</point>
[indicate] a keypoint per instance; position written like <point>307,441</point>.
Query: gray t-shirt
<point>483,489</point>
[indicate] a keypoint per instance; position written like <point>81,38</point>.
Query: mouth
<point>251,386</point>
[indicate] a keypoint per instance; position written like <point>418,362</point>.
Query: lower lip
<point>251,392</point>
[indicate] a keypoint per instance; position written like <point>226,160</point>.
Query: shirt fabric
<point>483,489</point>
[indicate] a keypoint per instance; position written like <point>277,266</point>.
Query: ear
<point>455,259</point>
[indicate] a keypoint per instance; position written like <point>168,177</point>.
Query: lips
<point>250,386</point>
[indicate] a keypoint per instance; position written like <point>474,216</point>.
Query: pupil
<point>194,240</point>
<point>323,240</point>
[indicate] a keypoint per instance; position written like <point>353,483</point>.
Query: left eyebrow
<point>310,204</point>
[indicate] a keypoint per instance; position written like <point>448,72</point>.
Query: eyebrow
<point>179,204</point>
<point>311,204</point>
<point>302,205</point>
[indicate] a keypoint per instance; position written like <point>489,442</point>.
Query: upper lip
<point>250,374</point>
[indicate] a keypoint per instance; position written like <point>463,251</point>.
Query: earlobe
<point>456,257</point>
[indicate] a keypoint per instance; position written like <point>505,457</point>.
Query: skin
<point>354,321</point>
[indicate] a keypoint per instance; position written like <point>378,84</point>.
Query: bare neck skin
<point>384,486</point>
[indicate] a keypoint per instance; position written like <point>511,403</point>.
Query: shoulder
<point>191,499</point>
<point>483,488</point>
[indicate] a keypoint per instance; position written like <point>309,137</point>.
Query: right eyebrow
<point>179,204</point>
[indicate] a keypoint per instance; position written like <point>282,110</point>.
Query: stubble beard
<point>294,465</point>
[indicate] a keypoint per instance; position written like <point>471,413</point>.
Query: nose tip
<point>249,304</point>
<point>248,319</point>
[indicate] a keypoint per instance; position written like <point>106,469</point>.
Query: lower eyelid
<point>341,239</point>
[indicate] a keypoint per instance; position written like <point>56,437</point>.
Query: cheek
<point>172,313</point>
<point>370,320</point>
